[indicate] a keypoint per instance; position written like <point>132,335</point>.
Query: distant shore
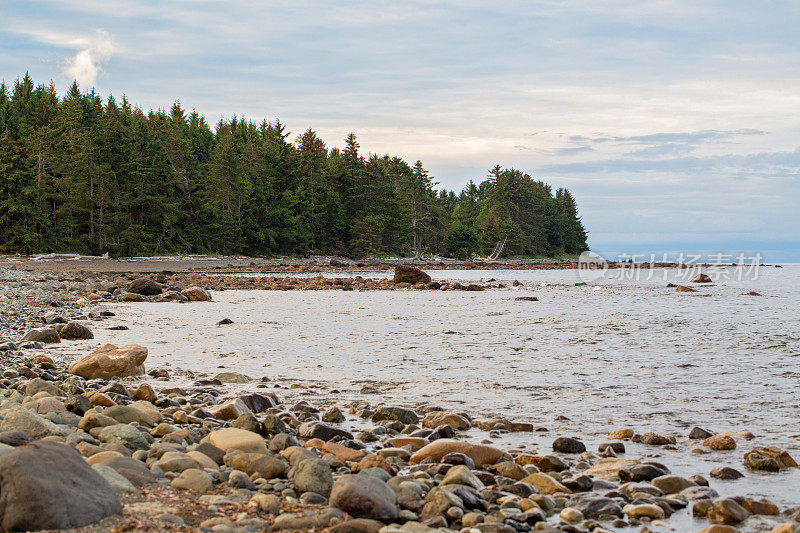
<point>75,263</point>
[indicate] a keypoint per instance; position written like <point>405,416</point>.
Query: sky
<point>675,124</point>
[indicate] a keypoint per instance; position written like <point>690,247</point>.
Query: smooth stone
<point>48,485</point>
<point>479,453</point>
<point>364,497</point>
<point>237,439</point>
<point>110,361</point>
<point>312,475</point>
<point>193,479</point>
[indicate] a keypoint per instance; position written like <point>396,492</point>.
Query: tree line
<point>82,174</point>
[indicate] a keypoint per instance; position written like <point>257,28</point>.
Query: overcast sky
<point>676,124</point>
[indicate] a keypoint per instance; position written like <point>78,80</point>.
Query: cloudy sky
<point>676,124</point>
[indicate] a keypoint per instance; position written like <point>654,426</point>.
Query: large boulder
<point>110,361</point>
<point>48,485</point>
<point>145,286</point>
<point>364,496</point>
<point>407,274</point>
<point>76,330</point>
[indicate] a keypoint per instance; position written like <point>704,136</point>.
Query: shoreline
<point>71,264</point>
<point>427,501</point>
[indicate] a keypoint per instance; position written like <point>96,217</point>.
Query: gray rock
<point>240,480</point>
<point>117,482</point>
<point>37,385</point>
<point>46,335</point>
<point>321,430</point>
<point>128,436</point>
<point>48,485</point>
<point>34,426</point>
<point>592,506</point>
<point>364,497</point>
<point>568,445</point>
<point>125,414</point>
<point>313,475</point>
<point>134,471</point>
<point>145,287</point>
<point>193,479</point>
<point>406,416</point>
<point>75,330</point>
<point>726,472</point>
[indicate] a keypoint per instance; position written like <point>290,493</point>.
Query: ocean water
<point>623,351</point>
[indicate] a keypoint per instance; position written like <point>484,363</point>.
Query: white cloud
<point>86,65</point>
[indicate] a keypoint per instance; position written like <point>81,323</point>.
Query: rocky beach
<point>102,432</point>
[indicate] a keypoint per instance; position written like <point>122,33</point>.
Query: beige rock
<point>570,515</point>
<point>621,434</point>
<point>237,439</point>
<point>479,453</point>
<point>716,528</point>
<point>110,361</point>
<point>230,410</point>
<point>720,442</point>
<point>204,460</point>
<point>545,484</point>
<point>644,510</point>
<point>435,419</point>
<point>609,467</point>
<point>101,457</point>
<point>197,294</point>
<point>149,410</point>
<point>193,479</point>
<point>406,441</point>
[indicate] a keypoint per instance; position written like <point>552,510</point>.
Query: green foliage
<point>79,174</point>
<point>462,241</point>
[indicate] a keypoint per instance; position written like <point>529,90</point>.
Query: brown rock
<point>760,507</point>
<point>720,442</point>
<point>343,453</point>
<point>684,288</point>
<point>75,330</point>
<point>545,484</point>
<point>145,286</point>
<point>145,393</point>
<point>411,275</point>
<point>479,453</point>
<point>110,361</point>
<point>373,460</point>
<point>435,419</point>
<point>197,294</point>
<point>621,434</point>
